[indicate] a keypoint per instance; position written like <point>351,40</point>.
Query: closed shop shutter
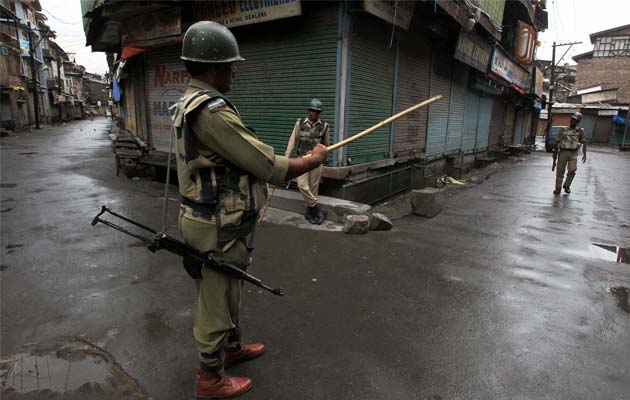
<point>470,121</point>
<point>166,82</point>
<point>497,122</point>
<point>288,62</point>
<point>456,114</point>
<point>438,111</point>
<point>518,127</point>
<point>603,128</point>
<point>483,126</point>
<point>130,106</point>
<point>141,101</point>
<point>414,68</point>
<point>588,124</point>
<point>371,87</point>
<point>272,87</point>
<point>508,132</point>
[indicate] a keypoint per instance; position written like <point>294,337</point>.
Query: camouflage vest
<point>219,191</point>
<point>569,138</point>
<point>308,137</point>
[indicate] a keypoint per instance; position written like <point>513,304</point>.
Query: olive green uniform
<point>305,136</point>
<point>568,143</point>
<point>222,169</point>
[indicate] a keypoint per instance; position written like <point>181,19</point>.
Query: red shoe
<point>243,353</point>
<point>209,386</point>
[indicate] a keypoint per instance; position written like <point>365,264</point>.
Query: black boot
<point>556,191</point>
<point>567,189</point>
<point>321,214</point>
<point>311,215</point>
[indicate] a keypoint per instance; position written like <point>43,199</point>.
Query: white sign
<point>607,112</point>
<point>245,12</point>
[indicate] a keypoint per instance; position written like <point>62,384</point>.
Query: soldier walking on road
<point>566,152</point>
<point>223,169</point>
<point>308,133</point>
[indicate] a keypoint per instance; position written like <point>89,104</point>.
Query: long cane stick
<point>363,133</point>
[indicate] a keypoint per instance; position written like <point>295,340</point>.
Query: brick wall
<point>609,72</point>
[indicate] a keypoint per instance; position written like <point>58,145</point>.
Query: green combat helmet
<point>210,42</point>
<point>315,104</point>
<point>577,116</point>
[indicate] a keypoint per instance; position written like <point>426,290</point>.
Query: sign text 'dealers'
<point>245,12</point>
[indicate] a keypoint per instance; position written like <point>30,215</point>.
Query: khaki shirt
<point>570,138</point>
<point>221,138</point>
<point>296,133</point>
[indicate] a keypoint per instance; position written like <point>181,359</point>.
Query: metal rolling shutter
<point>287,63</point>
<point>371,88</point>
<point>456,114</point>
<point>603,128</point>
<point>470,121</point>
<point>483,126</point>
<point>438,112</point>
<point>588,124</point>
<point>508,132</point>
<point>141,101</point>
<point>518,127</point>
<point>497,121</point>
<point>414,68</point>
<point>166,82</point>
<point>130,106</point>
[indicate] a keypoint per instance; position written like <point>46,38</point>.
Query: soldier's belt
<point>206,210</point>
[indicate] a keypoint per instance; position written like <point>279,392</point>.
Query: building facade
<point>603,74</point>
<point>364,60</point>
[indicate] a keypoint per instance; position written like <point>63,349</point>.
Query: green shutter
<point>438,111</point>
<point>288,62</point>
<point>456,114</point>
<point>371,87</point>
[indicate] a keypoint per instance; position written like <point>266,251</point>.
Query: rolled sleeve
<point>223,133</point>
<point>280,170</point>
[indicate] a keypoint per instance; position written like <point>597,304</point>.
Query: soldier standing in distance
<point>223,169</point>
<point>308,133</point>
<point>566,152</point>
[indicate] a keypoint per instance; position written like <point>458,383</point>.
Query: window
<point>612,46</point>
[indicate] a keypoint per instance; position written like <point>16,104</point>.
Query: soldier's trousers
<point>309,185</point>
<point>567,160</point>
<point>216,324</point>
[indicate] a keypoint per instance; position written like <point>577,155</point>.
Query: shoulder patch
<point>217,105</point>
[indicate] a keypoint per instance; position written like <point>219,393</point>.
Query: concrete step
<point>293,201</point>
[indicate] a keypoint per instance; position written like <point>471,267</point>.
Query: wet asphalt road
<point>498,297</point>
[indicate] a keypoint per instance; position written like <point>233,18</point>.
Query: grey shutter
<point>371,87</point>
<point>414,69</point>
<point>456,113</point>
<point>483,126</point>
<point>438,111</point>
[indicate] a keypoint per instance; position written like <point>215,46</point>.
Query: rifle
<point>163,241</point>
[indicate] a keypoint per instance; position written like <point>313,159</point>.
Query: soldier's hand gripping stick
<point>382,123</point>
<point>163,241</point>
<point>553,165</point>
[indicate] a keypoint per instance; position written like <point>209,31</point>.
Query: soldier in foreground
<point>308,133</point>
<point>223,169</point>
<point>566,152</point>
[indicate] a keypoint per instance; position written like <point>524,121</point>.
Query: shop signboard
<point>509,70</point>
<point>472,50</point>
<point>397,12</point>
<point>233,13</point>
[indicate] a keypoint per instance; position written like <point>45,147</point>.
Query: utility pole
<point>552,81</point>
<point>60,91</point>
<point>34,75</point>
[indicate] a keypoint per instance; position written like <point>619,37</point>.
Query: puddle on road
<point>68,369</point>
<point>608,252</point>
